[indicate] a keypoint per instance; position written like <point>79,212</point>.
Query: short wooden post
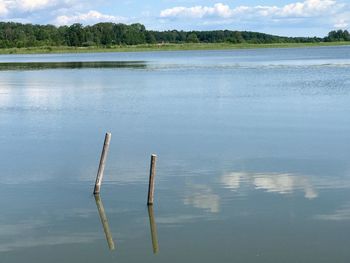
<point>101,167</point>
<point>152,174</point>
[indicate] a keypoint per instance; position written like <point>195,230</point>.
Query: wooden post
<point>153,227</point>
<point>152,174</point>
<point>101,167</point>
<point>104,222</point>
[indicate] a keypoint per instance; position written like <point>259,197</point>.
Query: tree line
<point>111,34</point>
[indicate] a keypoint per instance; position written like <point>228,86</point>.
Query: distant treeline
<point>110,34</point>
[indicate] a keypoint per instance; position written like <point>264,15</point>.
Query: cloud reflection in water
<point>202,196</point>
<point>270,182</point>
<point>35,233</point>
<point>340,214</point>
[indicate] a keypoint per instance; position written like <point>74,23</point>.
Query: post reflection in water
<point>104,222</point>
<point>153,227</point>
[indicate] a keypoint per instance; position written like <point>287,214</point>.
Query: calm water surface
<point>253,156</point>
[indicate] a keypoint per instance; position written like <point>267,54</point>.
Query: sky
<point>286,17</point>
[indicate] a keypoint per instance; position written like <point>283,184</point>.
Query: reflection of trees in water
<point>71,65</point>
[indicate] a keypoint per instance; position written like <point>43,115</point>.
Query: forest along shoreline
<point>17,38</point>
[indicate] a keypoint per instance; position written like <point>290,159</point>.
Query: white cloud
<point>341,24</point>
<point>298,9</point>
<point>306,9</point>
<point>31,5</point>
<point>24,5</point>
<point>90,17</point>
<point>3,8</point>
<point>22,8</point>
<point>219,9</point>
<point>342,20</point>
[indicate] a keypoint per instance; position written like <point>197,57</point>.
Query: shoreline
<point>162,47</point>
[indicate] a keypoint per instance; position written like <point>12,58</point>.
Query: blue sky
<point>287,17</point>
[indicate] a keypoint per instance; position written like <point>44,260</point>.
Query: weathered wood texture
<point>152,175</point>
<point>101,167</point>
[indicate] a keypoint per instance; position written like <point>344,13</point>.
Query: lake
<point>253,156</point>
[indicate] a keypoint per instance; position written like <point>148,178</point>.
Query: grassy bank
<point>162,47</point>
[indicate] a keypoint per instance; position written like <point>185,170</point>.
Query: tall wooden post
<point>101,167</point>
<point>152,175</point>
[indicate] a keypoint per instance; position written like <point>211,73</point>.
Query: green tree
<point>192,37</point>
<point>75,35</point>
